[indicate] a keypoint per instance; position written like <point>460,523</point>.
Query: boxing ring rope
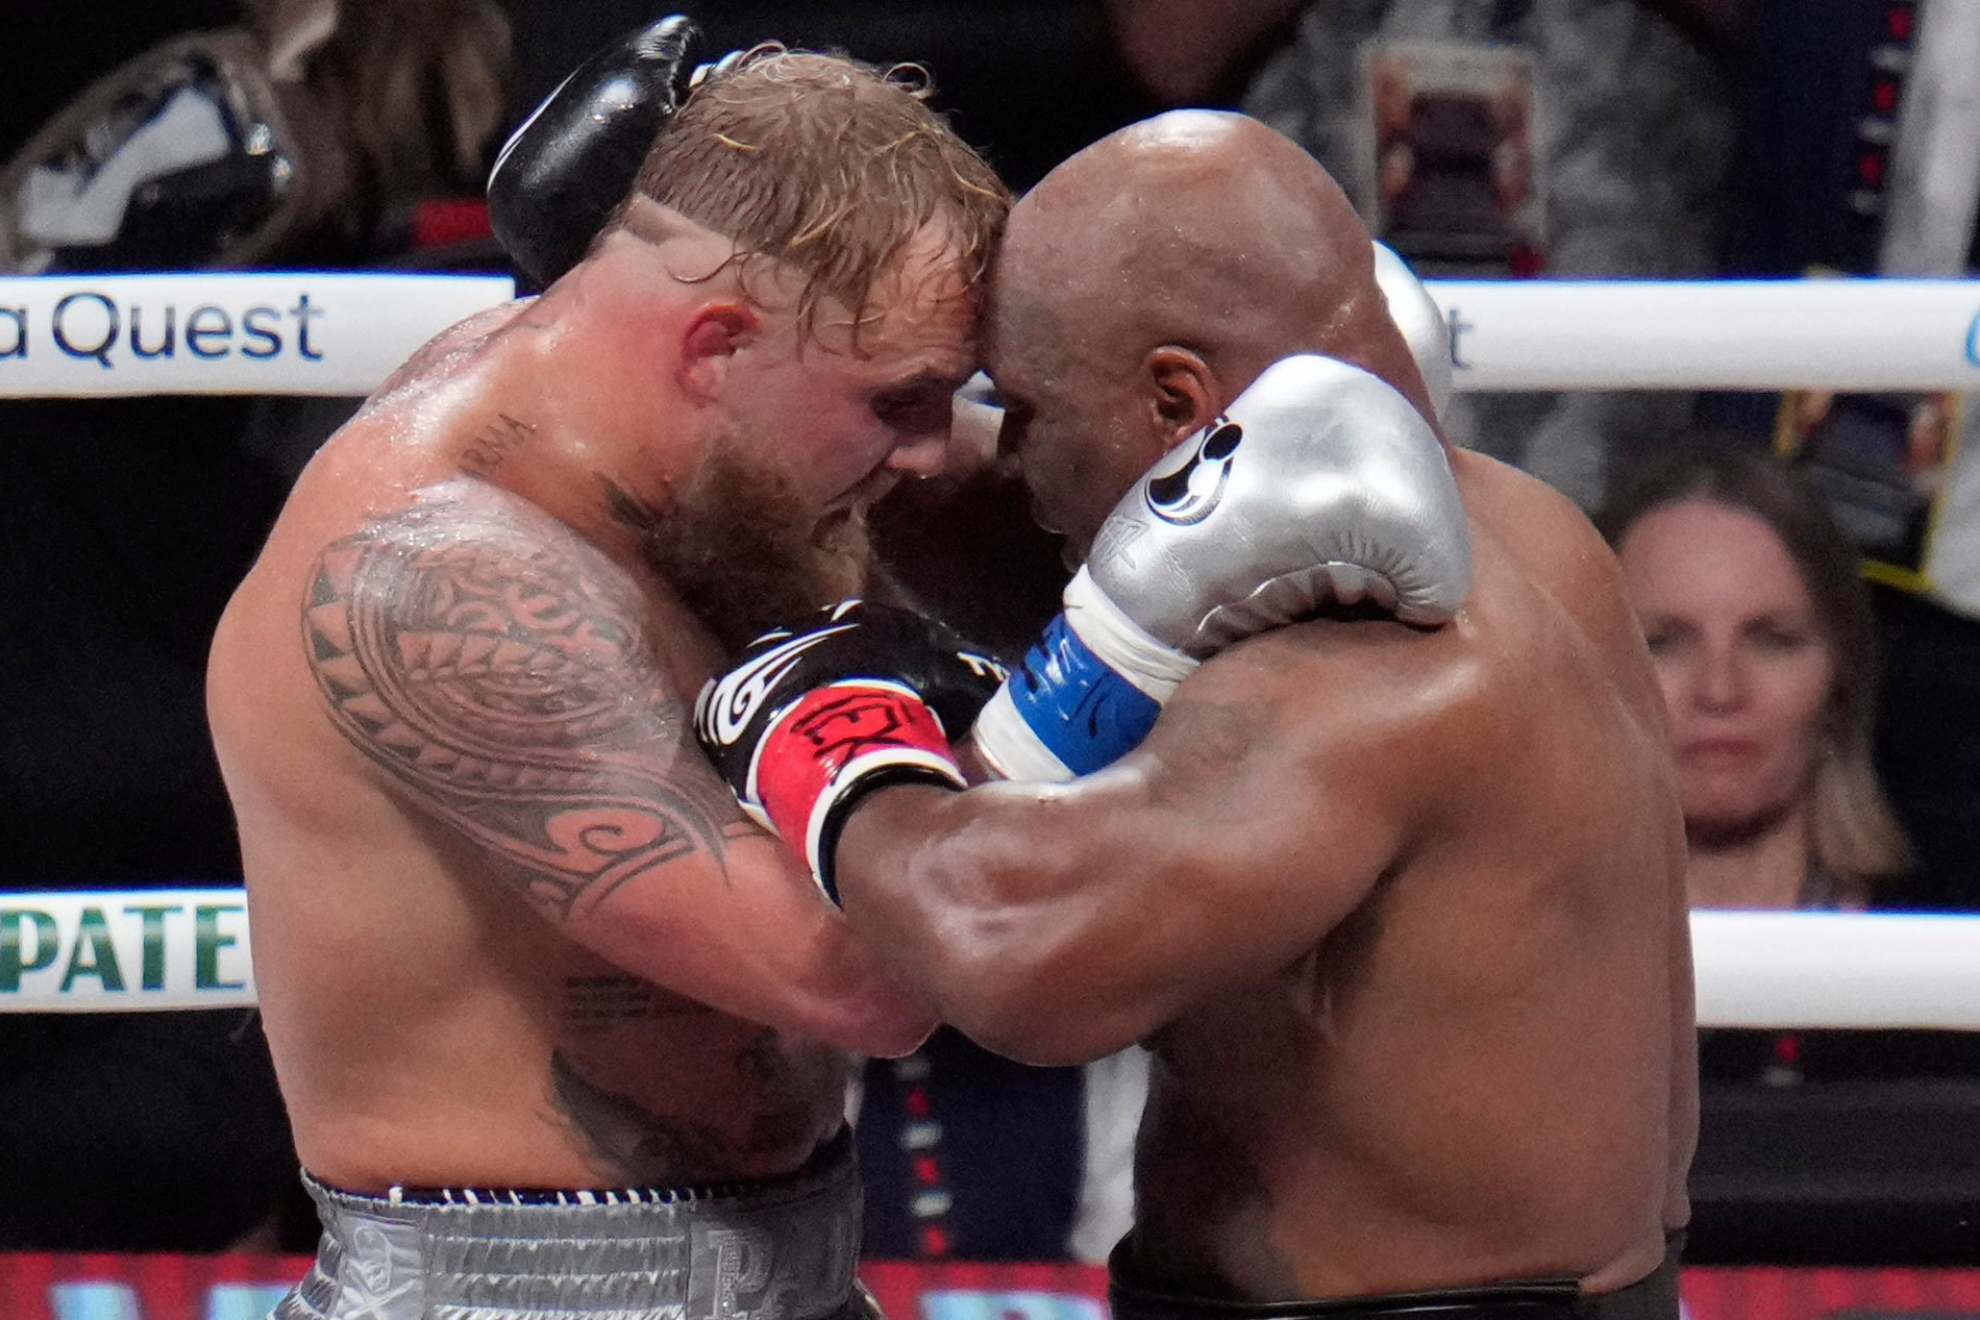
<point>336,335</point>
<point>188,948</point>
<point>342,334</point>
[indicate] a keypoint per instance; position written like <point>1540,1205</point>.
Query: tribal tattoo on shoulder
<point>501,673</point>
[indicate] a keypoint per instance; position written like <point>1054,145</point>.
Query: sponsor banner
<point>237,1286</point>
<point>1832,334</point>
<point>141,949</point>
<point>287,333</point>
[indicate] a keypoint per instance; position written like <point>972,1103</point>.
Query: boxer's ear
<point>1182,392</point>
<point>710,340</point>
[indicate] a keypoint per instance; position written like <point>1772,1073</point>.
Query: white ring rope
<point>111,951</point>
<point>1831,969</point>
<point>1840,334</point>
<point>188,948</point>
<point>339,334</point>
<point>342,334</point>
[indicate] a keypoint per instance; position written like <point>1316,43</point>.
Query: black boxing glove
<point>561,175</point>
<point>810,719</point>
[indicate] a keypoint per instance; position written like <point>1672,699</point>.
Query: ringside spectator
<point>1763,640</point>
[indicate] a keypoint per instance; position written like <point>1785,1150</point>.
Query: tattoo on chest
<point>494,443</point>
<point>594,1005</point>
<point>644,1148</point>
<point>505,681</point>
<point>648,1148</point>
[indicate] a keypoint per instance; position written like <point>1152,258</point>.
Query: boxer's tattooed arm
<point>498,668</point>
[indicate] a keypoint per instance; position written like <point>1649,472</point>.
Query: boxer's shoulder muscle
<point>1550,586</point>
<point>1544,538</point>
<point>504,676</point>
<point>442,357</point>
<point>1329,696</point>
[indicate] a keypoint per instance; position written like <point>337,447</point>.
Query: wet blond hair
<point>828,166</point>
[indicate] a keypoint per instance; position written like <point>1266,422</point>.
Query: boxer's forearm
<point>751,937</point>
<point>1010,908</point>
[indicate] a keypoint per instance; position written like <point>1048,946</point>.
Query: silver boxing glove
<point>1321,484</point>
<point>1422,323</point>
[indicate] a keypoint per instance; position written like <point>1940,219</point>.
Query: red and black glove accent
<point>811,719</point>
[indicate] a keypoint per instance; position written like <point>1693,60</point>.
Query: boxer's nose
<point>923,456</point>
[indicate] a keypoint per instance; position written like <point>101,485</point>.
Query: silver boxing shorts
<point>781,1249</point>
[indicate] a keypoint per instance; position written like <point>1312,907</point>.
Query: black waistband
<point>1653,1297</point>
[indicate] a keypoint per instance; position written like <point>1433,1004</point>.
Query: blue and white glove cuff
<point>1122,644</point>
<point>1086,695</point>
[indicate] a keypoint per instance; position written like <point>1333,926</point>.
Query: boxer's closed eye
<point>921,403</point>
<point>913,410</point>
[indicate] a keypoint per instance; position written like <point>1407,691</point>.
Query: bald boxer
<point>559,1030</point>
<point>1398,909</point>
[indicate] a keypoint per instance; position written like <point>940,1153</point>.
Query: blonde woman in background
<point>1763,640</point>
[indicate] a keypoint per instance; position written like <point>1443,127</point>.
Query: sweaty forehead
<point>1047,244</point>
<point>1025,346</point>
<point>934,328</point>
<point>922,307</point>
<point>1038,299</point>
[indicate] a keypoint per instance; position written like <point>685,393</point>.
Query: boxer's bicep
<point>1220,853</point>
<point>1058,923</point>
<point>1284,785</point>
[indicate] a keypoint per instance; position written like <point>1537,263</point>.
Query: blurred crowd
<point>1825,724</point>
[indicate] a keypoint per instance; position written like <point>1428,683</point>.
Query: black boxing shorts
<point>1653,1297</point>
<point>778,1249</point>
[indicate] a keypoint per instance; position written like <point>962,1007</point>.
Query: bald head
<point>1201,229</point>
